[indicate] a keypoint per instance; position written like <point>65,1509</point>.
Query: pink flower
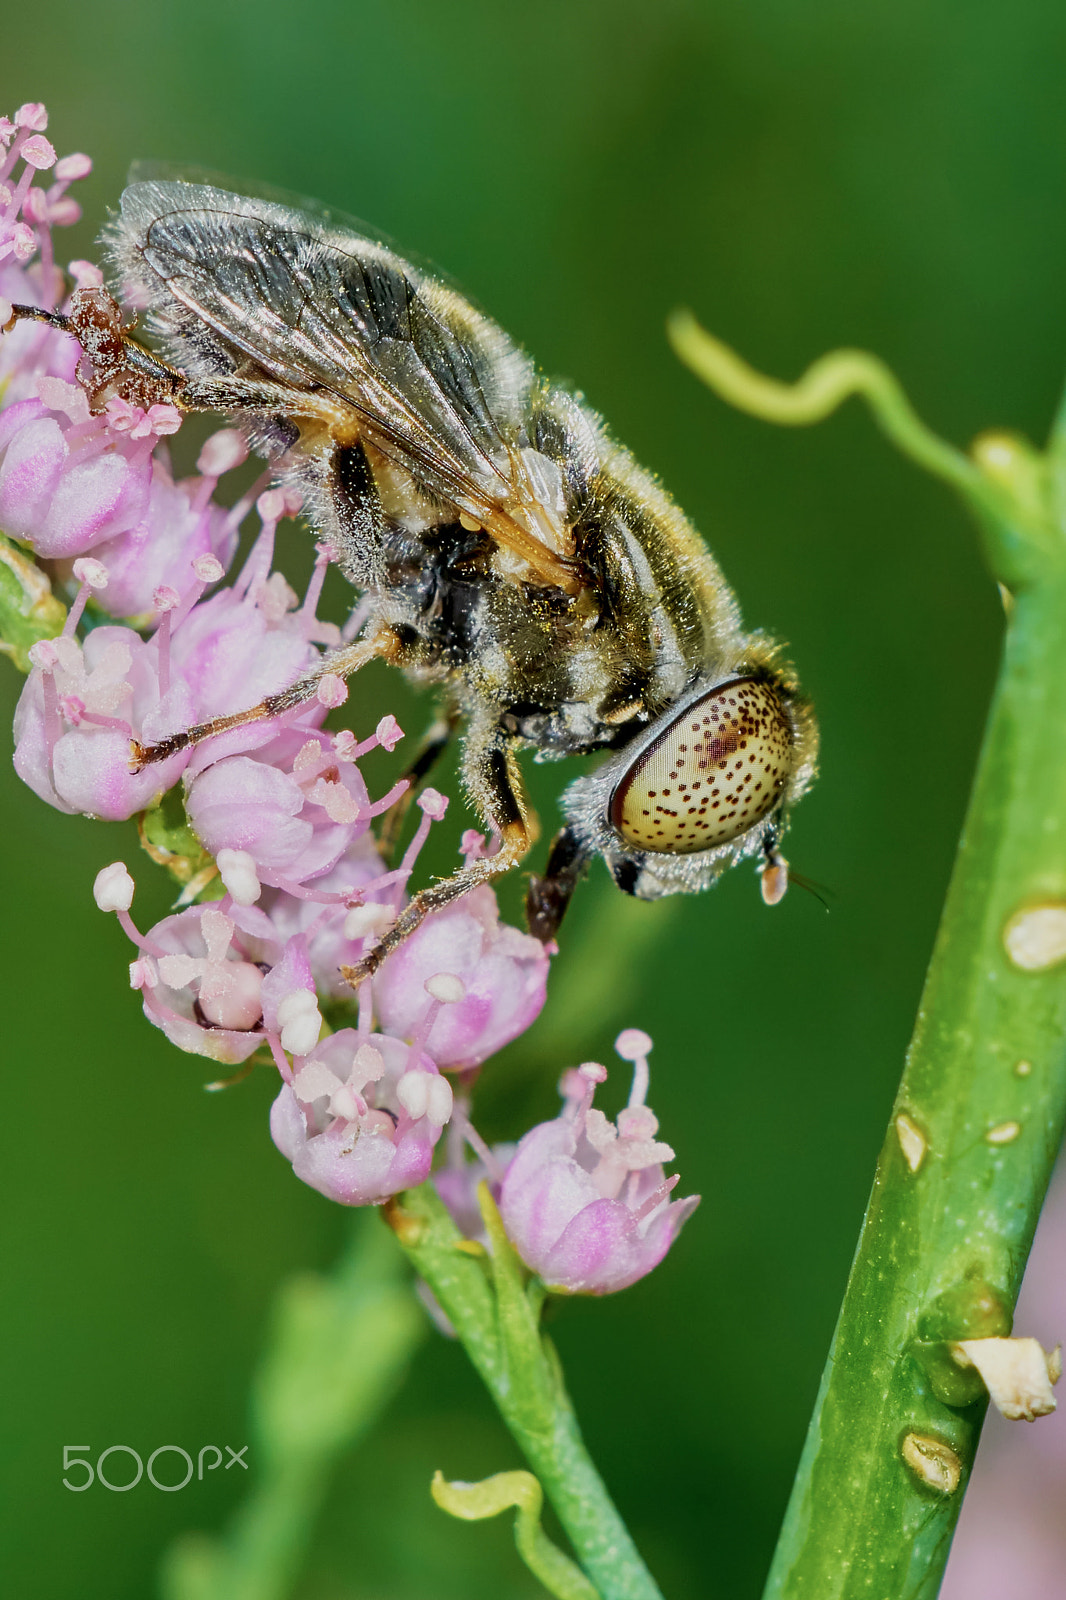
<point>174,531</point>
<point>68,482</point>
<point>240,645</point>
<point>361,1118</point>
<point>585,1202</point>
<point>293,806</point>
<point>76,715</point>
<point>337,933</point>
<point>82,705</point>
<point>504,974</point>
<point>281,806</point>
<point>218,979</point>
<point>201,976</point>
<point>28,213</point>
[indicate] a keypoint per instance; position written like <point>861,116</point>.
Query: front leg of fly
<point>548,897</point>
<point>114,363</point>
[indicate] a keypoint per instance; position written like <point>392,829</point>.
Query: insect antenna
<point>821,892</point>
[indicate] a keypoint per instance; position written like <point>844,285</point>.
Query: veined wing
<point>435,386</point>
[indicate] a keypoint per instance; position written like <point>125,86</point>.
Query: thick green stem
<point>981,1108</point>
<point>943,1246</point>
<point>494,1314</point>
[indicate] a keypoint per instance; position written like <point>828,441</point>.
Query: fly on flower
<point>510,553</point>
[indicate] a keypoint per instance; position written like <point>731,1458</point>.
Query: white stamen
<point>271,505</point>
<point>368,919</point>
<point>632,1043</point>
<point>238,873</point>
<point>297,1003</point>
<point>88,570</point>
<point>44,655</point>
<point>446,987</point>
<point>332,691</point>
<point>113,888</point>
<point>223,451</point>
<point>300,1022</point>
<point>412,1091</point>
<point>433,804</point>
<point>439,1101</point>
<point>388,733</point>
<point>208,569</point>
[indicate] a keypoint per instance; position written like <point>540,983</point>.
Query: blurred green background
<point>803,175</point>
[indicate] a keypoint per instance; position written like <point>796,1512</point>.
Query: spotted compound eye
<point>711,775</point>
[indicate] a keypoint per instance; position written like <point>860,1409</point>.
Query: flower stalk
<point>495,1311</point>
<point>980,1111</point>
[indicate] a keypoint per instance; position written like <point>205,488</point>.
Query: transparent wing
<point>436,386</point>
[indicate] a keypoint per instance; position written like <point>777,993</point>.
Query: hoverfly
<point>509,551</point>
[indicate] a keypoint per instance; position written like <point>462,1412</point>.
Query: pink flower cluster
<point>585,1200</point>
<point>161,634</point>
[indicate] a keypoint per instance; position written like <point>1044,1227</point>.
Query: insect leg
<point>548,897</point>
<point>493,775</point>
<point>118,365</point>
<point>434,742</point>
<point>343,662</point>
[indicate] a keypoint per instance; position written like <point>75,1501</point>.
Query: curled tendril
<point>475,1501</point>
<point>825,385</point>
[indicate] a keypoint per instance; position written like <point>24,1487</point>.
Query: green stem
<point>981,1108</point>
<point>943,1247</point>
<point>494,1314</point>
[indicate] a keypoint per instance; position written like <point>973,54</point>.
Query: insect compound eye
<point>713,773</point>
